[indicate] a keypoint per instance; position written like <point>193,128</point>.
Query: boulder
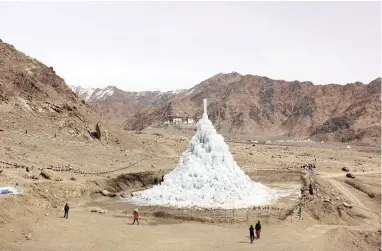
<point>98,131</point>
<point>346,204</point>
<point>107,193</point>
<point>124,195</point>
<point>47,174</point>
<point>29,168</point>
<point>28,236</point>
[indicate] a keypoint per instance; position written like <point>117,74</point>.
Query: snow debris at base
<point>10,190</point>
<point>207,177</point>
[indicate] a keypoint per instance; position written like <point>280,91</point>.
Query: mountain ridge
<point>251,104</point>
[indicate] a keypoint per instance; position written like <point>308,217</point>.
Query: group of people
<point>252,231</point>
<point>157,182</point>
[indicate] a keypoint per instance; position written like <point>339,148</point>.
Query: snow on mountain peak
<point>89,94</point>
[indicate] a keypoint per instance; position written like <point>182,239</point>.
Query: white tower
<point>205,106</point>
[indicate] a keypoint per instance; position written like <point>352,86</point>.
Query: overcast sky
<point>173,45</point>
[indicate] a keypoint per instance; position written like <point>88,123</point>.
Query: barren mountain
<point>254,106</point>
<point>116,105</point>
<point>259,106</point>
<point>34,99</point>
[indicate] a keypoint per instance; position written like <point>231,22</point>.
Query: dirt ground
<point>33,221</point>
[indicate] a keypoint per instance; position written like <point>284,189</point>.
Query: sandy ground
<point>34,221</point>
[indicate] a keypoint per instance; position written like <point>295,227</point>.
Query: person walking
<point>66,211</point>
<point>251,234</point>
<point>258,229</point>
<point>136,215</point>
<point>299,214</point>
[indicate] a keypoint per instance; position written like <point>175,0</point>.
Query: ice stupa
<point>207,177</point>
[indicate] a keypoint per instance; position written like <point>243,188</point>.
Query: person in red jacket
<point>136,215</point>
<point>258,229</point>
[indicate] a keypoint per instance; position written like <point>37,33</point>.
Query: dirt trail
<point>346,192</point>
<point>363,227</point>
<point>342,174</point>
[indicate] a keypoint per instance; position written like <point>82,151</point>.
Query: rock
<point>105,193</point>
<point>29,169</point>
<point>124,195</point>
<point>50,175</point>
<point>98,210</point>
<point>98,131</point>
<point>28,236</point>
<point>346,204</point>
<point>47,174</point>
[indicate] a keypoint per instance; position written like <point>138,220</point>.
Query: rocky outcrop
<point>98,131</point>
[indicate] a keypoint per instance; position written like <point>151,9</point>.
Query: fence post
<point>247,214</point>
<point>233,213</point>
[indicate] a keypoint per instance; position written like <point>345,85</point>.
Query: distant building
<point>175,119</point>
<point>188,121</point>
<point>178,119</point>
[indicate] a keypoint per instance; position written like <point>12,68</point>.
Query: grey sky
<point>172,45</point>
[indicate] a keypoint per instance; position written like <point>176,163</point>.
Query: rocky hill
<point>253,106</point>
<point>117,106</point>
<point>33,99</point>
<point>259,106</point>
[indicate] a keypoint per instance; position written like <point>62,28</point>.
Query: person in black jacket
<point>66,210</point>
<point>251,233</point>
<point>258,229</point>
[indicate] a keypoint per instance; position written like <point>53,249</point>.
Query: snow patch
<point>190,92</point>
<point>103,94</point>
<point>10,190</point>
